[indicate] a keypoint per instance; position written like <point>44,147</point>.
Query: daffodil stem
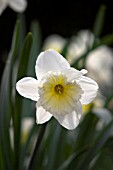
<point>108,100</point>
<point>37,147</point>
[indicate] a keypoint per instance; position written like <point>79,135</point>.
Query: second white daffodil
<point>59,90</point>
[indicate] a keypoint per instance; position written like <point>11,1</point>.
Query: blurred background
<point>56,17</point>
<point>82,30</point>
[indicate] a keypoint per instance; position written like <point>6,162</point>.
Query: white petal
<point>71,120</point>
<point>73,74</point>
<point>84,71</point>
<point>18,5</point>
<point>89,88</point>
<point>2,7</point>
<point>50,60</point>
<point>28,87</point>
<point>42,116</point>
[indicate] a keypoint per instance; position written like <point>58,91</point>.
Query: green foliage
<point>99,21</point>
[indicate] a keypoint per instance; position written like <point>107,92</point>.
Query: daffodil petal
<point>89,87</point>
<point>84,71</point>
<point>18,5</point>
<point>73,74</point>
<point>42,115</point>
<point>28,87</point>
<point>50,60</point>
<point>71,120</point>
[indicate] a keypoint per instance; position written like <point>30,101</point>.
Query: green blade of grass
<point>6,101</point>
<point>99,21</point>
<point>22,70</point>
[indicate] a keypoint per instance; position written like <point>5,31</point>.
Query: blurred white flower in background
<point>79,45</point>
<point>104,116</point>
<point>60,90</point>
<point>27,124</point>
<point>99,63</point>
<point>16,5</point>
<point>55,42</point>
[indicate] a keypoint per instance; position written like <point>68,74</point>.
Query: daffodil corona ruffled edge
<point>59,90</point>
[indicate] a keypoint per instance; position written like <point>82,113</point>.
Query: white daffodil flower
<point>16,5</point>
<point>59,90</point>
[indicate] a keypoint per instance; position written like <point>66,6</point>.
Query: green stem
<point>108,100</point>
<point>37,147</point>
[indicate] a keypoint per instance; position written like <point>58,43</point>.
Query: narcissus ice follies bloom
<point>59,90</point>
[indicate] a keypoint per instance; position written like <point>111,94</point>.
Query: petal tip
<point>84,71</point>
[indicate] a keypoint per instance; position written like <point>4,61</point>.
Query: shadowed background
<point>60,17</point>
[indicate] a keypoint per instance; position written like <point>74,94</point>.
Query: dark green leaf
<point>22,70</point>
<point>107,39</point>
<point>99,21</point>
<point>36,47</point>
<point>97,146</point>
<point>6,100</point>
<point>28,106</point>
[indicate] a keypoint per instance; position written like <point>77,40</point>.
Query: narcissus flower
<point>59,90</point>
<point>16,5</point>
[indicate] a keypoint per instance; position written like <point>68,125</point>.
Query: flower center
<point>59,89</point>
<point>57,95</point>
